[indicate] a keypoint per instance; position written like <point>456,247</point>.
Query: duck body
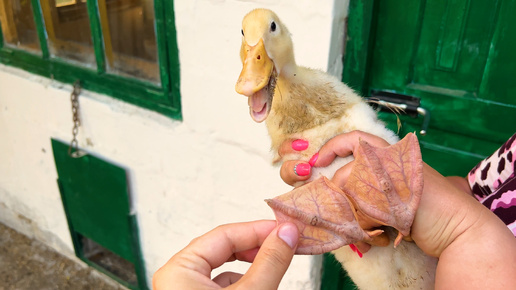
<point>315,106</point>
<point>302,103</point>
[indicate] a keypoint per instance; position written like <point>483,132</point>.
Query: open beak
<point>257,80</point>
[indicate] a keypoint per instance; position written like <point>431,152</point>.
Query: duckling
<point>302,103</point>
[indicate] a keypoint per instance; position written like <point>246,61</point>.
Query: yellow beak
<point>256,71</point>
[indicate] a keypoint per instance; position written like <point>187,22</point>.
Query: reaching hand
<point>269,247</point>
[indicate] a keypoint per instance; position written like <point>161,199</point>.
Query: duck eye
<point>241,30</point>
<point>273,26</point>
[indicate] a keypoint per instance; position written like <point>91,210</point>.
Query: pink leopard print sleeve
<point>493,183</point>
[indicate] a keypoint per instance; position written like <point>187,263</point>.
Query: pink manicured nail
<point>313,159</point>
<point>359,253</point>
<point>355,249</point>
<point>302,169</point>
<point>299,145</point>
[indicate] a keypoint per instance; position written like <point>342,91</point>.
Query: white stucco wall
<point>186,177</point>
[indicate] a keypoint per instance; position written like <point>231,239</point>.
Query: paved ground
<point>29,264</point>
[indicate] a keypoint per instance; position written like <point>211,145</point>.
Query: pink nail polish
<point>302,169</point>
<point>355,249</point>
<point>299,145</point>
<point>359,253</point>
<point>313,159</point>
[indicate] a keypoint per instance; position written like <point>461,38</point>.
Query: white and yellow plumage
<point>301,103</point>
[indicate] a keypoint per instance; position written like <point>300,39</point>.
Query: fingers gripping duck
<point>302,103</point>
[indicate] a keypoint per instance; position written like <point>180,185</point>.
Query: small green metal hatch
<point>96,200</point>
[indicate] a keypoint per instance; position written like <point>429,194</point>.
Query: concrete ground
<point>28,264</point>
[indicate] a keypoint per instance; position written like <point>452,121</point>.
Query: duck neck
<point>286,77</point>
<point>288,70</point>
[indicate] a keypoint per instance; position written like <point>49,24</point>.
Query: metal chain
<point>74,150</point>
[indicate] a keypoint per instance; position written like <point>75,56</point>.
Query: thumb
<point>273,258</point>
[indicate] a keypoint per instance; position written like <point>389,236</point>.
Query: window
<point>68,31</point>
<point>123,48</point>
<point>19,30</point>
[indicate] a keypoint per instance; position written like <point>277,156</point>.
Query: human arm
<point>269,247</point>
<point>461,183</point>
<point>475,249</point>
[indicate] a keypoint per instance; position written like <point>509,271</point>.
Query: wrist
<point>483,256</point>
<point>444,213</point>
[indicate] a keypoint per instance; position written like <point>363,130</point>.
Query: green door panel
<point>446,152</point>
<point>333,276</point>
<point>457,56</point>
<point>448,54</point>
<point>453,44</point>
<point>498,84</point>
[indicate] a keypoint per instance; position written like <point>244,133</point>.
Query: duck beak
<point>256,71</point>
<point>257,80</point>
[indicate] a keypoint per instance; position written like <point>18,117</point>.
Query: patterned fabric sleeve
<point>493,182</point>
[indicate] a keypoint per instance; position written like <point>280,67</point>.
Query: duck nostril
<point>258,57</point>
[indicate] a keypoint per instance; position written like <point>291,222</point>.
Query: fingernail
<point>289,234</point>
<point>302,169</point>
<point>355,249</point>
<point>313,159</point>
<point>299,145</point>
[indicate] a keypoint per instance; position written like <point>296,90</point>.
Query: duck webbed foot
<point>385,186</point>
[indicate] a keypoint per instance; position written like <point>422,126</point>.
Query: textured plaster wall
<point>185,177</point>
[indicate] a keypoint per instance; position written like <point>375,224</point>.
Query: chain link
<point>74,150</point>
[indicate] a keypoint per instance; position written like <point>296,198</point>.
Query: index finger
<point>344,145</point>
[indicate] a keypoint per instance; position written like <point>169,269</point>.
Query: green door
<point>456,57</point>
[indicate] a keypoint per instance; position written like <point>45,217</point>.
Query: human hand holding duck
<point>449,223</point>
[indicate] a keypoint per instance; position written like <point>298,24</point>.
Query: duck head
<point>266,54</point>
